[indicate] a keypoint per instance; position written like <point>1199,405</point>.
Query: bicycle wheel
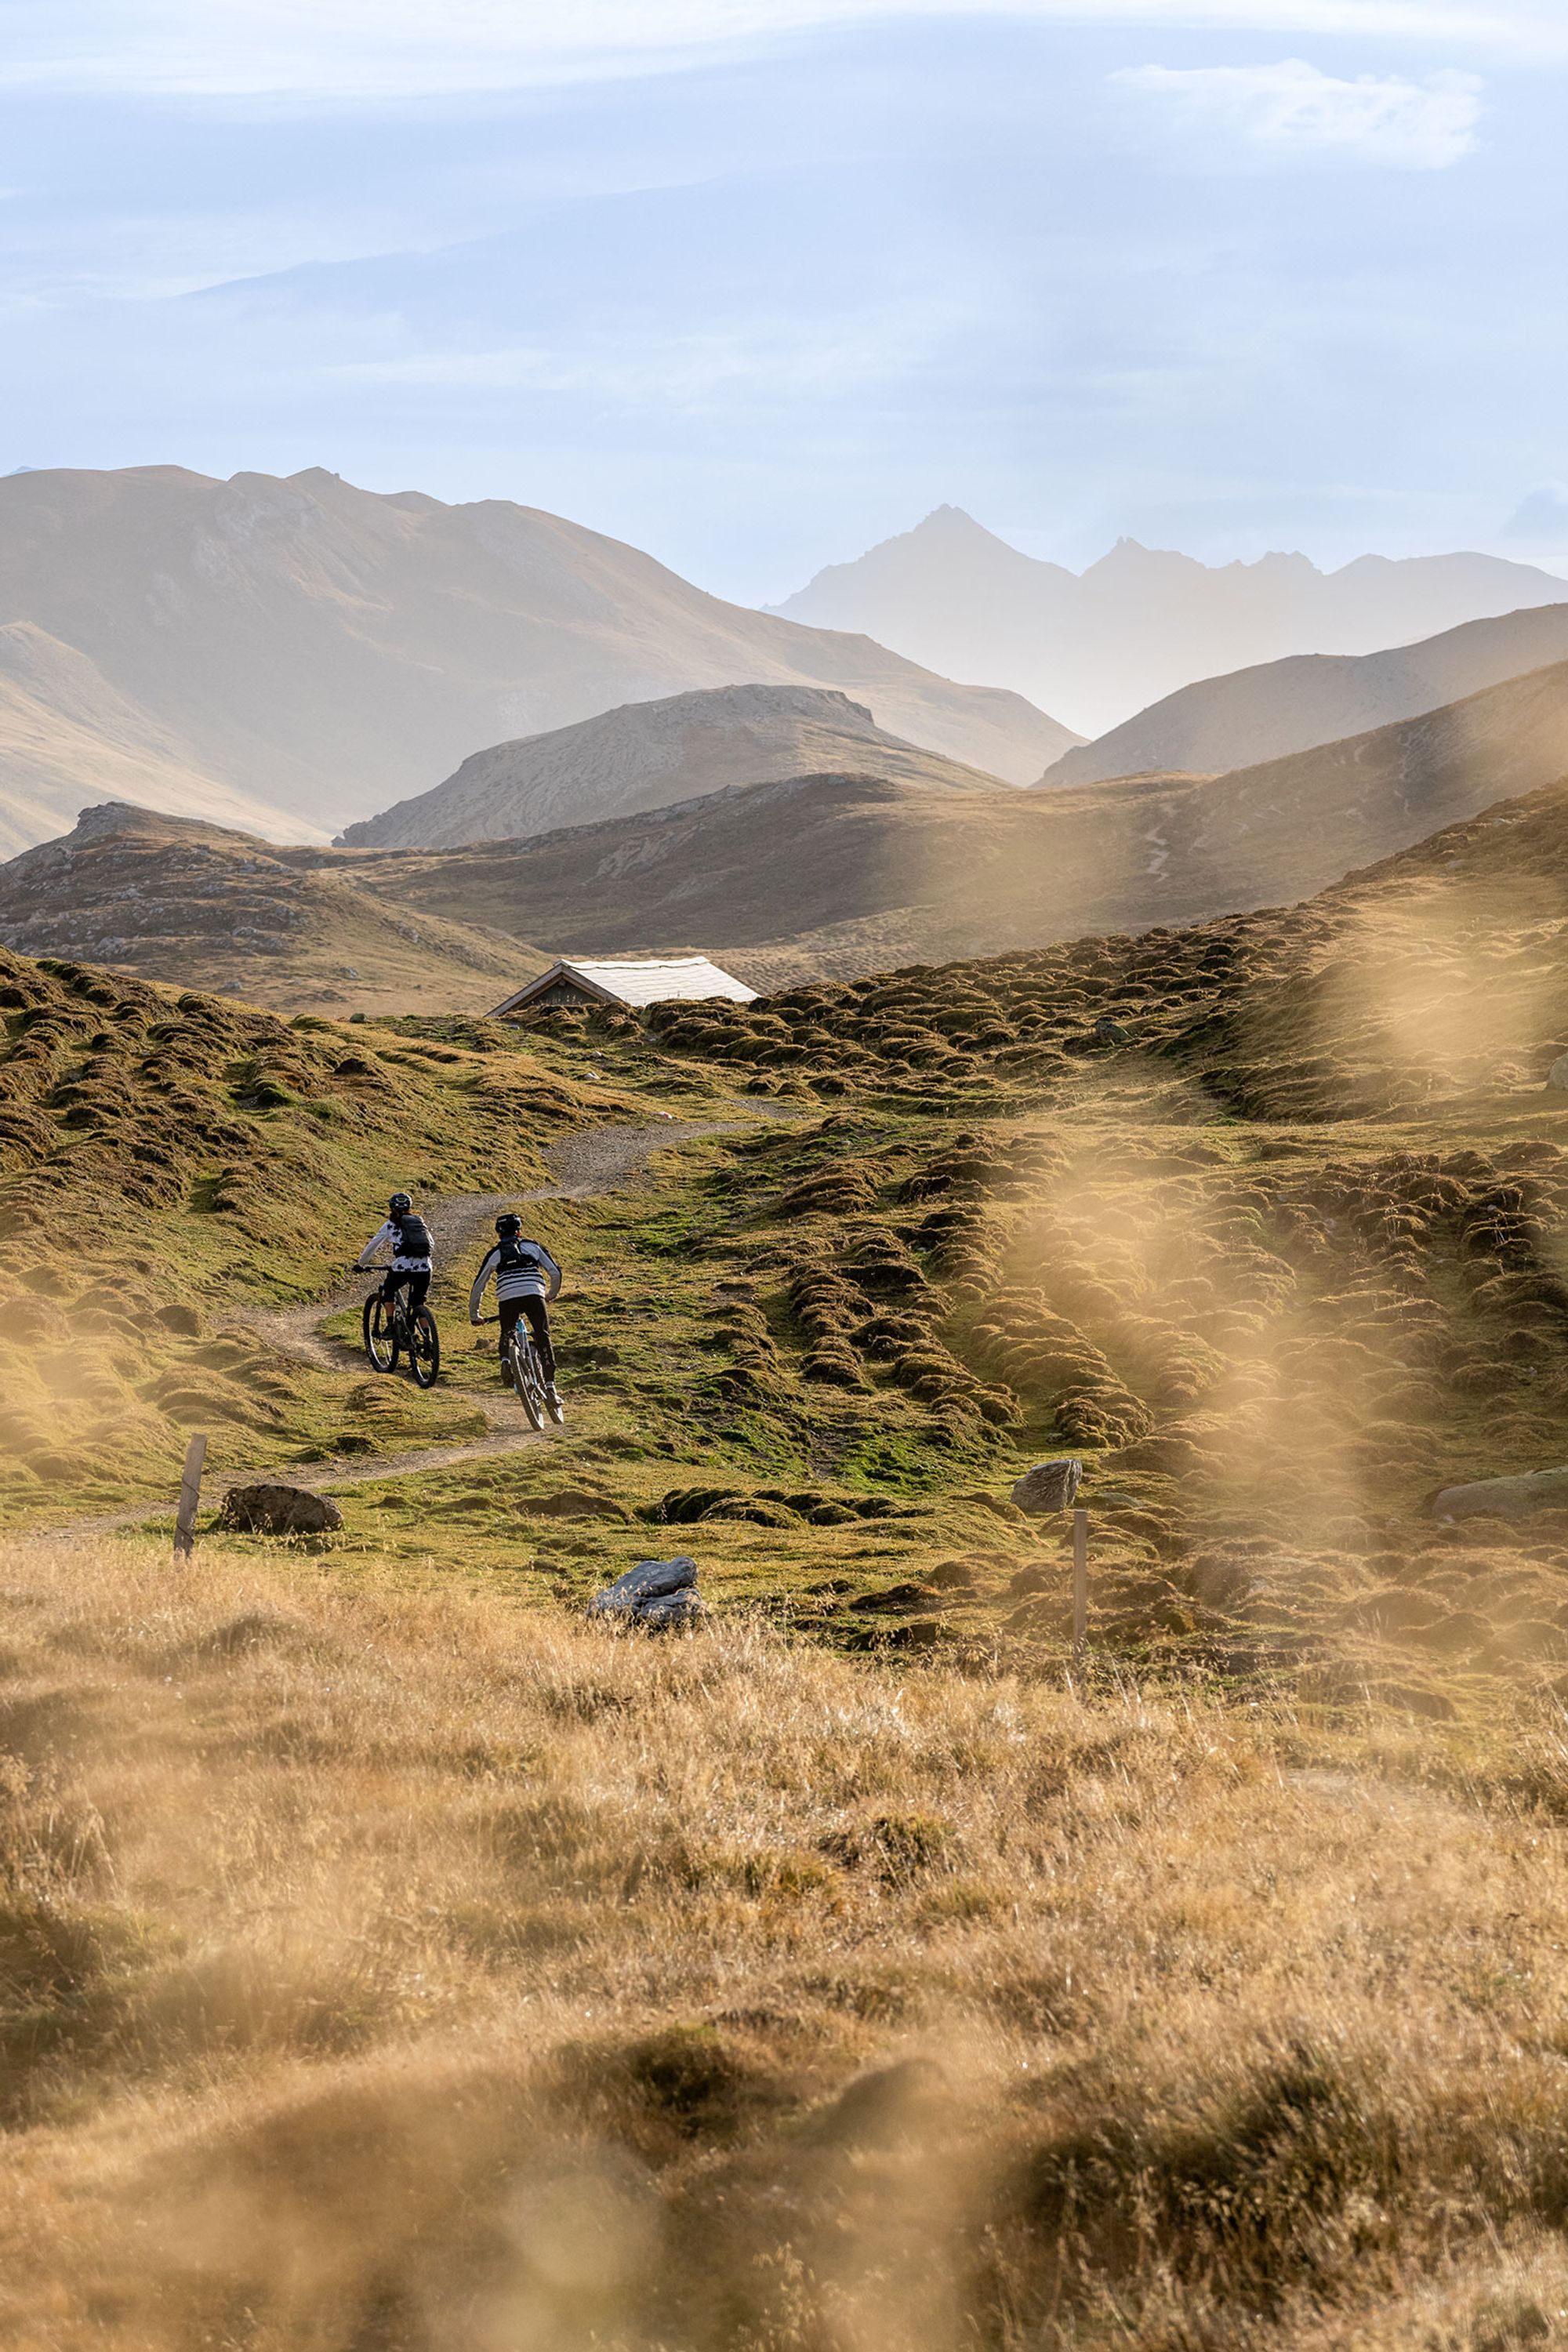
<point>424,1349</point>
<point>525,1379</point>
<point>380,1333</point>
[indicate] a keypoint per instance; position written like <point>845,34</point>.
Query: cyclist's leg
<point>511,1309</point>
<point>418,1292</point>
<point>538,1315</point>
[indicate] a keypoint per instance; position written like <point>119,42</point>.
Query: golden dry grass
<point>402,1971</point>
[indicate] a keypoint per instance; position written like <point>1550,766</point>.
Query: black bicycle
<point>527,1374</point>
<point>389,1331</point>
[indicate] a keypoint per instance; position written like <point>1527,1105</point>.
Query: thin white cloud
<point>1292,110</point>
<point>402,49</point>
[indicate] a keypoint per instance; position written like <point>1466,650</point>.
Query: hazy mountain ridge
<point>1140,623</point>
<point>651,754</point>
<point>1278,707</point>
<point>305,652</point>
<point>65,730</point>
<point>843,873</point>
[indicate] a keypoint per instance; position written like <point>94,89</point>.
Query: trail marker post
<point>1080,1586</point>
<point>190,1497</point>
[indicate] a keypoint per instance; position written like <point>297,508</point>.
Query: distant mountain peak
<point>1142,623</point>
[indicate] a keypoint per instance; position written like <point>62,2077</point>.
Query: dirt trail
<point>596,1162</point>
<point>587,1165</point>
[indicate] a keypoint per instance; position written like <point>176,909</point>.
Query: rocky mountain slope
<point>1143,622</point>
<point>1277,707</point>
<point>318,651</point>
<point>831,873</point>
<point>648,754</point>
<point>174,899</point>
<point>854,874</point>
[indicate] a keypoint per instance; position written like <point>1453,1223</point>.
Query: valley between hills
<point>356,1878</point>
<point>394,1957</point>
<point>812,875</point>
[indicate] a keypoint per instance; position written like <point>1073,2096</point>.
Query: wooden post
<point>190,1496</point>
<point>1079,1585</point>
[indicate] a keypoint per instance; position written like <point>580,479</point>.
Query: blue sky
<point>753,283</point>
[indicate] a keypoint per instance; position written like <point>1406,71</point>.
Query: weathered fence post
<point>1053,1486</point>
<point>190,1496</point>
<point>1080,1586</point>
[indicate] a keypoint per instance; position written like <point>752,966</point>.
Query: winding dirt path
<point>587,1165</point>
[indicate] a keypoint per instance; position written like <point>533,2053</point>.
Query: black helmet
<point>509,1224</point>
<point>399,1205</point>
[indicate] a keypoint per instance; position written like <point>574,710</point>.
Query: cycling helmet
<point>399,1205</point>
<point>509,1224</point>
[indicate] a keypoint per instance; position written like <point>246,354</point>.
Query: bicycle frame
<point>526,1374</point>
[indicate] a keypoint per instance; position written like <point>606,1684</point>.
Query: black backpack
<point>413,1236</point>
<point>513,1256</point>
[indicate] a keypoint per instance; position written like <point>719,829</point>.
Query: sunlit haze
<point>754,286</point>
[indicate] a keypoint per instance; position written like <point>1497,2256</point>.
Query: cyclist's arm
<point>385,1232</point>
<point>480,1280</point>
<point>554,1270</point>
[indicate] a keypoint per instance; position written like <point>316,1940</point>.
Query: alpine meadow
<point>784,1291</point>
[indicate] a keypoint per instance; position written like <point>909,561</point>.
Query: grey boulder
<point>278,1511</point>
<point>659,1593</point>
<point>1557,1076</point>
<point>667,1609</point>
<point>1049,1485</point>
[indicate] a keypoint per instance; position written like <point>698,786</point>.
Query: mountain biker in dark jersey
<point>526,1276</point>
<point>410,1241</point>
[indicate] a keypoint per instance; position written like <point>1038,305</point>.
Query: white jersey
<point>540,1280</point>
<point>386,1237</point>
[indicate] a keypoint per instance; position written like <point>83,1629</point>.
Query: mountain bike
<point>526,1374</point>
<point>389,1331</point>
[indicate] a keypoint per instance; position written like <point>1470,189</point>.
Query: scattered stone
<point>278,1511</point>
<point>1557,1076</point>
<point>659,1593</point>
<point>1049,1485</point>
<point>1111,1032</point>
<point>1506,1498</point>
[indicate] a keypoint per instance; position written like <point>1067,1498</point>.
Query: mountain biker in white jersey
<point>410,1241</point>
<point>526,1276</point>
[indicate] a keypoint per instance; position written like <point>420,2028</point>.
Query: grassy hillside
<point>174,899</point>
<point>1263,1216</point>
<point>856,1971</point>
<point>389,1969</point>
<point>836,874</point>
<point>170,1166</point>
